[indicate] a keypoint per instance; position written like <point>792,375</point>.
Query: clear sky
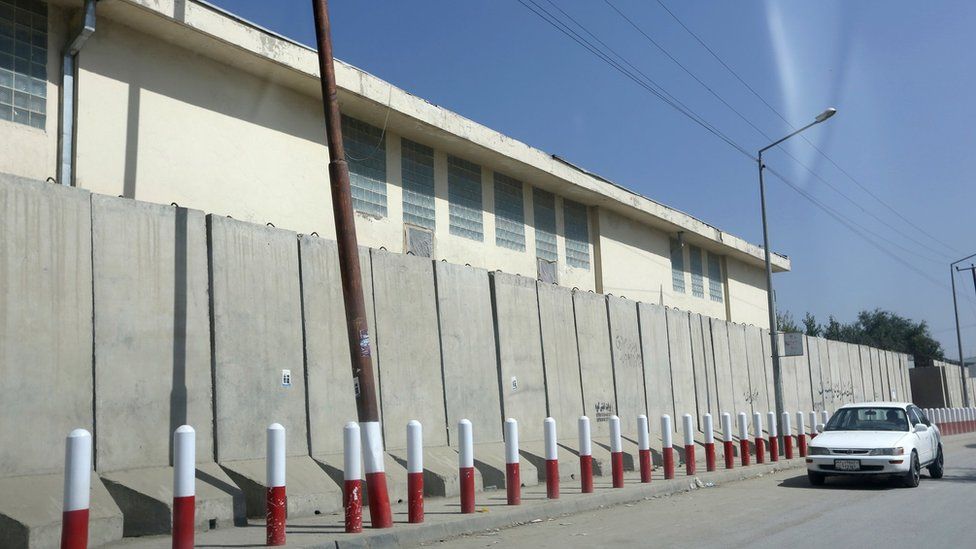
<point>900,72</point>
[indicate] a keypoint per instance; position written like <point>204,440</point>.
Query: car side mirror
<point>820,427</point>
<point>921,428</point>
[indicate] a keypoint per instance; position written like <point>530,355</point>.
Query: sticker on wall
<point>363,343</point>
<point>355,385</point>
<point>286,378</point>
<point>514,383</point>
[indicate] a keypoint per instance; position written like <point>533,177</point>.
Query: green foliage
<point>785,322</point>
<point>877,328</point>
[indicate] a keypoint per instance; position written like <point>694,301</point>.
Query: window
<point>544,210</point>
<point>697,283</point>
<point>714,277</point>
<point>577,234</point>
<point>23,62</point>
<point>509,213</point>
<point>417,169</point>
<point>677,266</point>
<point>366,153</point>
<point>464,198</point>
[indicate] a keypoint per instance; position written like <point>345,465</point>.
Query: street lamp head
<point>826,114</point>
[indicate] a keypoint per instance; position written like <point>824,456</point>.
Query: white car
<point>876,438</point>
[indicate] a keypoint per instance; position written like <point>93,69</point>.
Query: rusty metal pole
<point>352,287</point>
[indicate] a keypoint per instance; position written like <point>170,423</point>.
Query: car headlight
<point>818,451</point>
<point>888,451</point>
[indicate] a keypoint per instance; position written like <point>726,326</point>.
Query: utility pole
<point>955,308</point>
<point>352,286</point>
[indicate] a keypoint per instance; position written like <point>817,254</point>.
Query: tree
<point>785,322</point>
<point>810,326</point>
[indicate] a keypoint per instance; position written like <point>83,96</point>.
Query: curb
<point>409,535</point>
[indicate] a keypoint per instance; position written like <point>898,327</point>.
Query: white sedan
<point>876,438</point>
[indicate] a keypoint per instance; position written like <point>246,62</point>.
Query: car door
<point>927,442</point>
<point>922,441</point>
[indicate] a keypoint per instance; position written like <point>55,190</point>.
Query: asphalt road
<point>779,510</point>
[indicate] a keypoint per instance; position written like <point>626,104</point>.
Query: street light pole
<point>771,299</point>
<point>955,307</point>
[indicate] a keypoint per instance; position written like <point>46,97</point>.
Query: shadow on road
<point>843,483</point>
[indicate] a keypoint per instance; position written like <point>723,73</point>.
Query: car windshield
<point>868,419</point>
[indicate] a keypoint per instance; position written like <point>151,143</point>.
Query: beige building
<point>178,101</point>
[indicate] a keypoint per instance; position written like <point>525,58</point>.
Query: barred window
<point>23,62</point>
<point>366,154</point>
<point>464,198</point>
<point>509,213</point>
<point>417,168</point>
<point>697,283</point>
<point>714,277</point>
<point>677,266</point>
<point>544,211</point>
<point>577,234</point>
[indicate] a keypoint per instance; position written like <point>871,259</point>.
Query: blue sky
<point>900,73</point>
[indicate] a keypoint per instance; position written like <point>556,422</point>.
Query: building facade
<point>178,101</point>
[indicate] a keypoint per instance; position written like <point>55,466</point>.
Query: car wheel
<point>914,473</point>
<point>816,479</point>
<point>936,469</point>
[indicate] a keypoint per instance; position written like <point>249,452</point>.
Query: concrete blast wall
<point>742,384</point>
<point>682,369</point>
<point>596,368</point>
<point>759,395</point>
<point>724,381</point>
<point>559,354</point>
<point>657,363</point>
<point>628,364</point>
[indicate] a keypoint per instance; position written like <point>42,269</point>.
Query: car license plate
<point>847,464</point>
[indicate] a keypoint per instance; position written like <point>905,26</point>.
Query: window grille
<point>366,154</point>
<point>544,210</point>
<point>677,266</point>
<point>697,282</point>
<point>464,198</point>
<point>714,277</point>
<point>577,234</point>
<point>417,168</point>
<point>23,62</point>
<point>509,213</point>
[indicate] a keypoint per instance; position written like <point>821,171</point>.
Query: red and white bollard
<point>728,446</point>
<point>801,435</point>
<point>466,465</point>
<point>667,451</point>
<point>773,440</point>
<point>277,501</point>
<point>352,478</point>
<point>709,443</point>
<point>813,425</point>
<point>824,417</point>
<point>379,497</point>
<point>743,439</point>
<point>77,490</point>
<point>552,459</point>
<point>184,486</point>
<point>689,433</point>
<point>586,456</point>
<point>616,453</point>
<point>513,475</point>
<point>415,472</point>
<point>785,423</point>
<point>760,442</point>
<point>644,448</point>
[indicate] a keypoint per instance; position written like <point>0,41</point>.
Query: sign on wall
<point>792,344</point>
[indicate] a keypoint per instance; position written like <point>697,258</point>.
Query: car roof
<point>877,405</point>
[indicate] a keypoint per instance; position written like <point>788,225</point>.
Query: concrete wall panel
<point>826,384</point>
<point>523,393</point>
<point>682,369</point>
<point>862,370</point>
<point>703,368</point>
<point>562,369</point>
<point>790,367</point>
<point>331,391</point>
<point>152,331</point>
<point>257,333</point>
<point>408,345</point>
<point>724,381</point>
<point>45,323</point>
<point>840,373</point>
<point>743,395</point>
<point>468,350</point>
<point>596,370</point>
<point>657,363</point>
<point>761,398</point>
<point>768,368</point>
<point>628,367</point>
<point>816,374</point>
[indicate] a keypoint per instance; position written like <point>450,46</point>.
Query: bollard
<point>728,446</point>
<point>760,441</point>
<point>466,465</point>
<point>801,435</point>
<point>377,494</point>
<point>689,433</point>
<point>824,416</point>
<point>552,458</point>
<point>644,448</point>
<point>352,477</point>
<point>277,500</point>
<point>513,476</point>
<point>616,453</point>
<point>667,452</point>
<point>773,441</point>
<point>709,443</point>
<point>184,486</point>
<point>415,472</point>
<point>813,425</point>
<point>77,490</point>
<point>586,456</point>
<point>787,435</point>
<point>743,439</point>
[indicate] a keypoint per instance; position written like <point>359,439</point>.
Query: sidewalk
<point>443,519</point>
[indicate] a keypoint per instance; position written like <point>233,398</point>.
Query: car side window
<point>913,417</point>
<point>921,415</point>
